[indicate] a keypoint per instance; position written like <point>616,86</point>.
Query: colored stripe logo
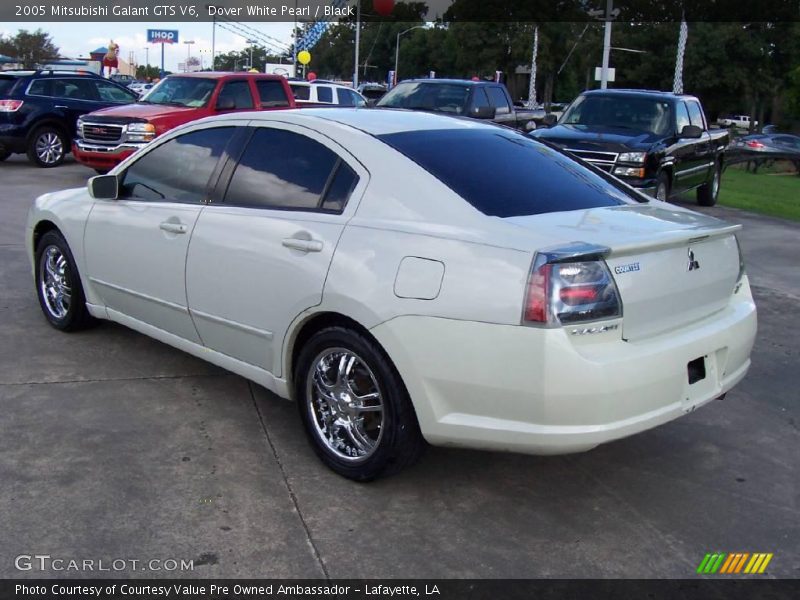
<point>733,563</point>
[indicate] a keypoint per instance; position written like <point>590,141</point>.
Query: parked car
<point>140,87</point>
<point>38,110</point>
<point>372,92</point>
<point>737,121</point>
<point>462,98</point>
<point>380,269</point>
<point>775,145</point>
<point>658,142</point>
<point>107,137</point>
<point>317,92</point>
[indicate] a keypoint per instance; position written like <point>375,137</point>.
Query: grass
<point>774,194</point>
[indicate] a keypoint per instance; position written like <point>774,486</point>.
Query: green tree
<point>30,48</point>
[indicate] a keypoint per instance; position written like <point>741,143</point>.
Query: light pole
<point>147,62</point>
<point>358,43</point>
<point>397,51</point>
<point>251,42</point>
<point>188,52</point>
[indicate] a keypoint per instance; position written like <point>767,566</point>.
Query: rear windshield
<point>437,97</point>
<point>505,174</point>
<point>6,85</point>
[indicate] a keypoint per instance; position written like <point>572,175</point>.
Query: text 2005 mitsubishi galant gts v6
<point>406,277</point>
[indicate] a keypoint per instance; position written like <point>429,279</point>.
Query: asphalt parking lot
<point>113,445</point>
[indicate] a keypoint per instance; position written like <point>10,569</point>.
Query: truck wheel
<point>708,192</point>
<point>47,147</point>
<point>662,187</point>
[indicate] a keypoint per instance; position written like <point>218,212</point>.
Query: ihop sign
<point>162,36</point>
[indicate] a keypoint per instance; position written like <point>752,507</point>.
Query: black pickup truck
<point>462,98</point>
<point>658,142</point>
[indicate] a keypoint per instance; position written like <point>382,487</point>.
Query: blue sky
<point>78,39</point>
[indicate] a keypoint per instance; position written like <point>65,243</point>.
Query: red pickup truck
<point>106,137</point>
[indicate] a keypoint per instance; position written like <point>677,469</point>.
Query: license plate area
<point>696,370</point>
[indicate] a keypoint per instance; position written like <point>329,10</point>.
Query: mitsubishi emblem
<point>693,264</point>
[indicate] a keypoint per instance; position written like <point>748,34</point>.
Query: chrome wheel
<point>345,404</point>
<point>49,148</point>
<point>54,282</point>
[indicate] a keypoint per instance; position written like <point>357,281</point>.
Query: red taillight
<point>538,289</point>
<point>10,105</point>
<point>570,292</point>
<point>754,144</point>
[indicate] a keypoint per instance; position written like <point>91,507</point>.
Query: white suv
<point>325,92</point>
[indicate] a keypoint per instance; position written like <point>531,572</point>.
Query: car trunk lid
<point>671,267</point>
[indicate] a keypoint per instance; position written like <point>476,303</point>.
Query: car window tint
<point>111,93</point>
<point>239,92</point>
<point>271,93</point>
<point>479,98</point>
<point>179,170</point>
<point>281,169</point>
<point>696,114</point>
<point>498,99</point>
<point>40,87</point>
<point>7,84</point>
<point>682,117</point>
<point>345,97</point>
<point>340,188</point>
<point>301,92</point>
<point>324,94</point>
<point>506,174</point>
<point>75,89</point>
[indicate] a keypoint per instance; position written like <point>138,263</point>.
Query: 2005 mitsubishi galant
<point>406,277</point>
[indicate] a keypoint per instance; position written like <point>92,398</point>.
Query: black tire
<point>75,316</point>
<point>47,147</point>
<point>663,186</point>
<point>708,193</point>
<point>399,441</point>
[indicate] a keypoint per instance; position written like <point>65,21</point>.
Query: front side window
<point>192,92</point>
<point>506,174</point>
<point>696,114</point>
<point>285,170</point>
<point>682,117</point>
<point>179,170</point>
<point>235,95</point>
<point>108,92</point>
<point>479,98</point>
<point>499,100</point>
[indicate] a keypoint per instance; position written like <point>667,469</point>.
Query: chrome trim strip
<point>679,174</point>
<point>139,295</point>
<point>235,324</point>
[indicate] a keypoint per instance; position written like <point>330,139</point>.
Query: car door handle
<point>303,245</point>
<point>173,227</point>
<point>60,106</point>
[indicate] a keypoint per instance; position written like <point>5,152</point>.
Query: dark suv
<point>39,109</point>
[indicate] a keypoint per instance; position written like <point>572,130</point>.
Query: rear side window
<point>40,87</point>
<point>271,93</point>
<point>7,84</point>
<point>285,170</point>
<point>301,92</point>
<point>238,92</point>
<point>506,174</point>
<point>179,170</point>
<point>345,97</point>
<point>324,94</point>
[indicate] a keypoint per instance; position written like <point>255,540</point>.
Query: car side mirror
<point>226,104</point>
<point>691,132</point>
<point>483,112</point>
<point>104,187</point>
<point>549,120</point>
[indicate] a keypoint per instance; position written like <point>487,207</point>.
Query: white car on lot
<point>325,92</point>
<point>406,277</point>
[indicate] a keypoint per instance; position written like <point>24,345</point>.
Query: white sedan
<point>406,277</point>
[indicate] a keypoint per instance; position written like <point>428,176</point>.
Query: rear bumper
<point>13,143</point>
<point>98,156</point>
<point>544,391</point>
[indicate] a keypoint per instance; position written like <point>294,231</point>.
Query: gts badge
<point>592,330</point>
<point>620,269</point>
